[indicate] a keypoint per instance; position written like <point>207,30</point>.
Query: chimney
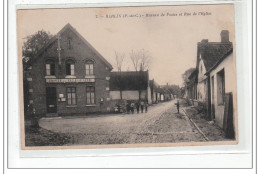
<point>224,36</point>
<point>204,41</point>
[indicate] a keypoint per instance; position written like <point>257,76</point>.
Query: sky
<point>169,33</point>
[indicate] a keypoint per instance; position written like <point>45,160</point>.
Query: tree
<point>33,44</point>
<point>141,59</point>
<point>30,48</point>
<point>119,62</point>
<point>145,60</point>
<point>186,74</point>
<point>135,58</point>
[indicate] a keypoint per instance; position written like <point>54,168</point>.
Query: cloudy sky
<point>168,33</point>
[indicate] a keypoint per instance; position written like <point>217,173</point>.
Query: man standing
<point>146,106</point>
<point>142,106</point>
<point>137,105</point>
<point>178,105</point>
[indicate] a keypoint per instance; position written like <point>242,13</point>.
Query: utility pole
<point>59,49</point>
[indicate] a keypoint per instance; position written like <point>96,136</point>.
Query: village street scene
<point>134,85</point>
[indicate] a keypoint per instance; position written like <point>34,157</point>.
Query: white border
<point>238,156</point>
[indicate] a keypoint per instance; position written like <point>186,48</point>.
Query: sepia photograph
<point>143,76</point>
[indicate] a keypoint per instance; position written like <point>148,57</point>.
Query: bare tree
<point>119,62</point>
<point>141,59</point>
<point>145,60</point>
<point>135,57</point>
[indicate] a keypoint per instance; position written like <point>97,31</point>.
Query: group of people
<point>131,106</point>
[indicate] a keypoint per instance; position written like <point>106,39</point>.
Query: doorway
<point>51,99</point>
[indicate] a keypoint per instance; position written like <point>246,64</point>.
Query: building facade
<point>69,76</point>
<point>222,83</point>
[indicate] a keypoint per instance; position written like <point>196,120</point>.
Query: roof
<point>212,52</point>
<point>66,27</point>
<point>128,80</point>
<point>220,60</point>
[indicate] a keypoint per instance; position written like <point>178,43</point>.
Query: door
<point>51,99</point>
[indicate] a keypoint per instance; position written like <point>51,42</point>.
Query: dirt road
<point>162,124</point>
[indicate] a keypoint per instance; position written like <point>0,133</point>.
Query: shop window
<point>221,87</point>
<point>71,96</point>
<point>70,68</point>
<point>90,95</point>
<point>89,68</point>
<point>50,68</point>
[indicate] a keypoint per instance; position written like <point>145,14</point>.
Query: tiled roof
<point>212,52</point>
<point>66,27</point>
<point>128,80</point>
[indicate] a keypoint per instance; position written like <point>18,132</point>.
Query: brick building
<point>69,76</point>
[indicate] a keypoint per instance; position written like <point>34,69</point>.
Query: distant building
<point>191,87</point>
<point>69,76</point>
<point>130,85</point>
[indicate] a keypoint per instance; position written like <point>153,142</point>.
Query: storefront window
<point>90,95</point>
<point>71,96</point>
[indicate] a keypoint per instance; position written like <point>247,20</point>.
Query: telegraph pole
<point>59,49</point>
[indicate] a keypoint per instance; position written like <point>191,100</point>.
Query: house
<point>208,53</point>
<point>191,87</point>
<point>155,92</point>
<point>223,88</point>
<point>69,76</point>
<point>129,85</point>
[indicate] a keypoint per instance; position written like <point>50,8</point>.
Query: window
<point>221,87</point>
<point>70,68</point>
<point>71,96</point>
<point>90,95</point>
<point>89,68</point>
<point>50,68</point>
<point>69,44</point>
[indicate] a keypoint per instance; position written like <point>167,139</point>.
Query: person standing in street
<point>132,107</point>
<point>137,105</point>
<point>178,105</point>
<point>146,106</point>
<point>142,106</point>
<point>127,108</point>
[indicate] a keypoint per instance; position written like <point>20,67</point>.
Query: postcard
<point>143,76</point>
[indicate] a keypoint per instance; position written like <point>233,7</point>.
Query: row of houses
<point>68,76</point>
<point>212,84</point>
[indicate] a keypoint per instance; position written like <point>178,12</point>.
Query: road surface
<point>162,124</point>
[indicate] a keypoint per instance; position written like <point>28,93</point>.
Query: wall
<point>128,95</point>
<point>202,94</point>
<point>149,96</point>
<point>230,86</point>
